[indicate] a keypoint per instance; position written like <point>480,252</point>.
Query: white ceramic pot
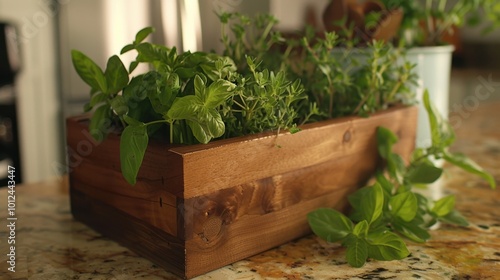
<point>433,67</point>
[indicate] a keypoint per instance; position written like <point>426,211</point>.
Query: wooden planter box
<point>197,208</point>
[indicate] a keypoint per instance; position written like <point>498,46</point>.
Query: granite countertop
<point>50,244</point>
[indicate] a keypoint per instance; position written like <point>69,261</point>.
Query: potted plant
<point>295,132</point>
<point>422,27</point>
<point>195,202</point>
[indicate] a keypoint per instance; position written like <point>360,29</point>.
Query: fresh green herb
<point>191,97</point>
<point>425,22</point>
<point>254,86</point>
<point>338,79</point>
<point>389,210</point>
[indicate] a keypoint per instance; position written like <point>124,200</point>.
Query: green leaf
<point>218,92</point>
<point>454,217</point>
<point>385,140</point>
<point>441,131</point>
<point>132,66</point>
<point>411,230</point>
<point>469,165</point>
<point>100,122</point>
<point>386,246</point>
<point>444,206</point>
<point>423,173</point>
<point>396,166</point>
<point>89,71</point>
<point>361,229</point>
<point>119,105</point>
<point>372,204</point>
<point>97,98</point>
<point>386,185</point>
<point>127,48</point>
<point>142,34</point>
<point>185,108</point>
<point>329,224</point>
<point>404,205</point>
<point>116,75</point>
<point>133,145</point>
<point>357,251</point>
<point>147,53</point>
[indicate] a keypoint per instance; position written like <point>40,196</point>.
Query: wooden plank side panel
<point>225,165</point>
<point>96,172</point>
<point>163,216</point>
<point>137,235</point>
<point>255,234</point>
<point>160,166</point>
<point>276,193</point>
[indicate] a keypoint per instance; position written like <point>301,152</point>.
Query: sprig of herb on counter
<point>389,209</point>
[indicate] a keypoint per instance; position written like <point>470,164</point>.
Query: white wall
<point>38,100</point>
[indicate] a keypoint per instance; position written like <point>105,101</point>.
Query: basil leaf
<point>386,246</point>
<point>372,204</point>
<point>116,75</point>
<point>423,173</point>
<point>361,229</point>
<point>100,122</point>
<point>469,165</point>
<point>385,140</point>
<point>185,108</point>
<point>89,71</point>
<point>384,183</point>
<point>411,230</point>
<point>357,251</point>
<point>142,34</point>
<point>441,131</point>
<point>218,92</point>
<point>396,166</point>
<point>146,53</point>
<point>329,224</point>
<point>454,217</point>
<point>97,98</point>
<point>444,206</point>
<point>119,105</point>
<point>404,205</point>
<point>127,48</point>
<point>133,144</point>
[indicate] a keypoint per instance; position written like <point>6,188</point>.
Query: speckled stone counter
<point>50,244</point>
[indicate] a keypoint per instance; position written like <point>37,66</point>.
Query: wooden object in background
<point>197,208</point>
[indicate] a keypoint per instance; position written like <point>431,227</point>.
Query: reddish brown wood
<point>228,199</point>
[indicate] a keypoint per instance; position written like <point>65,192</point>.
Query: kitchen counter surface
<point>50,244</point>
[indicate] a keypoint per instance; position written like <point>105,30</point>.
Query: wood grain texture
<point>229,199</point>
<point>223,164</point>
